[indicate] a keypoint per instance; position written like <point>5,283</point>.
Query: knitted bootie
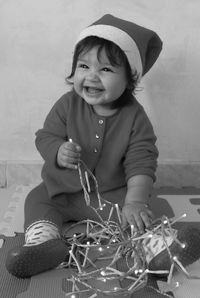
<point>44,249</point>
<point>27,261</point>
<point>186,254</point>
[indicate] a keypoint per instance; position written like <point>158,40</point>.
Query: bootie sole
<point>190,237</point>
<point>26,261</point>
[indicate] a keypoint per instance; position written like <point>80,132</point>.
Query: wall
<point>35,55</point>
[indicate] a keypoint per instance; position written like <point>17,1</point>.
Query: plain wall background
<point>36,44</point>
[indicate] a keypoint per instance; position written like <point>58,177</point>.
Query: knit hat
<point>141,45</point>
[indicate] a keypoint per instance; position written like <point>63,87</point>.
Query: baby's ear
<point>70,80</point>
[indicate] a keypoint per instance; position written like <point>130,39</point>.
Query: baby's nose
<point>93,75</point>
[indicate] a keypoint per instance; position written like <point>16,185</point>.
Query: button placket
<point>99,135</point>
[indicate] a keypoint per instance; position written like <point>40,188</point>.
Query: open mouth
<point>93,90</point>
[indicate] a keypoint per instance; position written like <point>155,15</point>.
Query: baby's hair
<point>115,55</point>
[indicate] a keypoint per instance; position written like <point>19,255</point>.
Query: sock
<point>41,231</point>
<point>155,245</point>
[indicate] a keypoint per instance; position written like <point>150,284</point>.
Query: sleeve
<point>142,153</point>
<point>54,131</point>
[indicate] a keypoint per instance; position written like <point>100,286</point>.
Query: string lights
<point>122,252</point>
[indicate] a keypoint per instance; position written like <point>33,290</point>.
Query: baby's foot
<point>186,252</point>
<point>27,261</point>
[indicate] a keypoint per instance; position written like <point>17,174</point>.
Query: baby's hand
<point>68,155</point>
<point>136,214</point>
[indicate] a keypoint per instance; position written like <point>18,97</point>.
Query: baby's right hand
<point>69,155</point>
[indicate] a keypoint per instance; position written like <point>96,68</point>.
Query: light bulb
<point>177,284</point>
<point>136,271</point>
<point>140,270</point>
<point>116,288</point>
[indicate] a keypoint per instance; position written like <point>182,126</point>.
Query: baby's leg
<point>41,216</point>
<point>43,249</point>
<point>78,210</point>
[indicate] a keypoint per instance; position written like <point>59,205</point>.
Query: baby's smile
<point>93,90</point>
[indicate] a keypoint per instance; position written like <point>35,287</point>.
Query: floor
<point>169,201</point>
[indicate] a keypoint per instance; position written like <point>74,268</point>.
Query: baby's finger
<point>139,223</point>
<point>150,213</point>
<point>124,222</point>
<point>71,166</point>
<point>147,219</point>
<point>132,222</point>
<point>74,146</point>
<point>70,160</point>
<point>69,163</point>
<point>67,153</point>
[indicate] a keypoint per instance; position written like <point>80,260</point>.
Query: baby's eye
<point>107,69</point>
<point>82,65</point>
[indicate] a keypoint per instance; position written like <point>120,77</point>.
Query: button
<point>97,136</point>
<point>95,150</point>
<point>101,121</point>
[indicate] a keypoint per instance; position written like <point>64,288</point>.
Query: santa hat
<point>141,45</point>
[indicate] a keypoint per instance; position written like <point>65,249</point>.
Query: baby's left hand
<point>137,214</point>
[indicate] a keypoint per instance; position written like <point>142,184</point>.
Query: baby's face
<point>97,81</point>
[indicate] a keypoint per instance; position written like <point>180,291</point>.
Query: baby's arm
<point>140,165</point>
<point>54,132</point>
<point>136,211</point>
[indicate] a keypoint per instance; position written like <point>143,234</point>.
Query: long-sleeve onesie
<point>114,148</point>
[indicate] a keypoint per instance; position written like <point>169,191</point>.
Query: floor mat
<point>51,284</point>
